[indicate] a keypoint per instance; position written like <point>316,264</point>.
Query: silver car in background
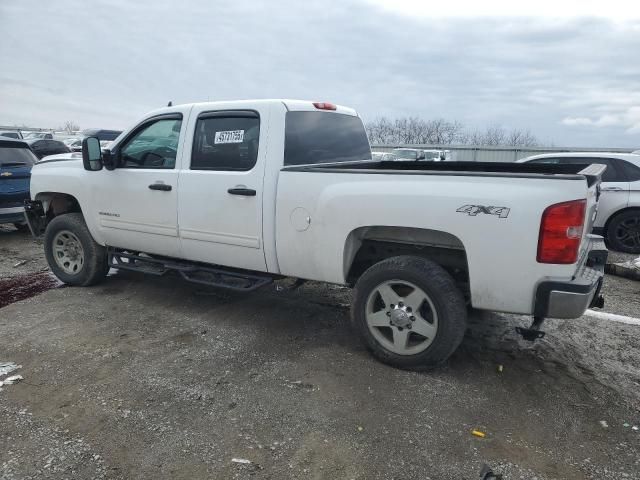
<point>618,218</point>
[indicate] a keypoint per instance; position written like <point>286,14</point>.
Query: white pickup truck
<point>237,194</point>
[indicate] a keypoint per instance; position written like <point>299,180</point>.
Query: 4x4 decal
<point>473,210</point>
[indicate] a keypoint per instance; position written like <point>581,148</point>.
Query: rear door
<point>221,187</point>
<point>136,204</point>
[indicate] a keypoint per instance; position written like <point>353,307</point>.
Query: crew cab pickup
<point>237,194</point>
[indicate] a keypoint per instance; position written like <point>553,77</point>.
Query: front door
<point>136,204</point>
<point>220,198</point>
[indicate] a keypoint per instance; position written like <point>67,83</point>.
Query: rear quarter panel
<point>501,252</point>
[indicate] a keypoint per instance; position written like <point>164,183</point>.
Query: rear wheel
<point>72,254</point>
<point>409,312</point>
<point>623,232</point>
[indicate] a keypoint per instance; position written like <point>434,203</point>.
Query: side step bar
<point>220,277</point>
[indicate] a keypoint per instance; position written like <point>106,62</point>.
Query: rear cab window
<point>324,137</point>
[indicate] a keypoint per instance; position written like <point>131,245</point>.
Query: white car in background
<point>618,218</point>
<point>382,156</point>
<point>436,155</point>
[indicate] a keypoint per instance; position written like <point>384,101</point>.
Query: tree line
<point>414,130</point>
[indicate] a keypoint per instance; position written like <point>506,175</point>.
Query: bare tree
<point>413,130</point>
<point>521,138</point>
<point>69,126</point>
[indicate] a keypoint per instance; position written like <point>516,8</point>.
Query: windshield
<point>10,134</point>
<point>406,154</point>
<point>321,137</point>
<point>16,156</point>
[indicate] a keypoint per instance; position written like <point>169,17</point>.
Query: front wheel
<point>73,256</point>
<point>409,312</point>
<point>623,232</point>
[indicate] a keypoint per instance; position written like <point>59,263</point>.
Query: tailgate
<point>593,175</point>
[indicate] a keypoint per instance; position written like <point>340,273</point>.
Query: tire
<point>85,262</point>
<point>22,227</point>
<point>623,232</point>
<point>435,325</point>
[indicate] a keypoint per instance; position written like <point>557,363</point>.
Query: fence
<point>470,153</point>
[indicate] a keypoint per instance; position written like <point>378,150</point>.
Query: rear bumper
<point>571,299</point>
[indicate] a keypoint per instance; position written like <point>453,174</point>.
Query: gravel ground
<point>155,378</point>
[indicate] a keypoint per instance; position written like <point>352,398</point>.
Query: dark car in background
<point>16,160</point>
<point>101,134</point>
<point>43,147</point>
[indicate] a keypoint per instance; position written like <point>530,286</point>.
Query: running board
<point>192,272</point>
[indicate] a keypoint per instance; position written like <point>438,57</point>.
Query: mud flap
<point>35,217</point>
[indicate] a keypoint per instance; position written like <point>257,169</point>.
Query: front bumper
<point>12,215</point>
<point>571,299</point>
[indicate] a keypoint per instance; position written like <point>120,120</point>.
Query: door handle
<point>160,186</point>
<point>247,192</point>
<point>611,189</point>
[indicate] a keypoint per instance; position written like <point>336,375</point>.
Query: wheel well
<point>369,245</point>
<point>55,204</point>
<point>611,217</point>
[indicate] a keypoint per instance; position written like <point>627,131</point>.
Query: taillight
<point>561,232</point>
<point>324,105</point>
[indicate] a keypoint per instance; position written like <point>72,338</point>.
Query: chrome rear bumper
<point>572,298</point>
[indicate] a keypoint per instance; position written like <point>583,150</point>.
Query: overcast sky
<point>570,80</point>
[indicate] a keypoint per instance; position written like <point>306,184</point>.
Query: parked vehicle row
<point>204,191</point>
<point>412,154</point>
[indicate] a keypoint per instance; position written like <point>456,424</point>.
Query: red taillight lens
<point>561,232</point>
<point>324,106</point>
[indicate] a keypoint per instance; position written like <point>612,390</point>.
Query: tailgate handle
<point>160,186</point>
<point>247,192</point>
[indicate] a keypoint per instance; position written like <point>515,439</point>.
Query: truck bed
<point>507,169</point>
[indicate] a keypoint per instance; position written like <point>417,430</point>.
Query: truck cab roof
<point>290,105</point>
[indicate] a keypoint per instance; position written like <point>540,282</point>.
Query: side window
<point>155,145</point>
<point>547,161</point>
<point>632,171</point>
<point>226,141</point>
<point>613,172</point>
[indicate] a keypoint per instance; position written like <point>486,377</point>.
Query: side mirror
<point>421,156</point>
<point>91,154</point>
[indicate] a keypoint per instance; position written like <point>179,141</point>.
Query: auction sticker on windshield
<point>229,136</point>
